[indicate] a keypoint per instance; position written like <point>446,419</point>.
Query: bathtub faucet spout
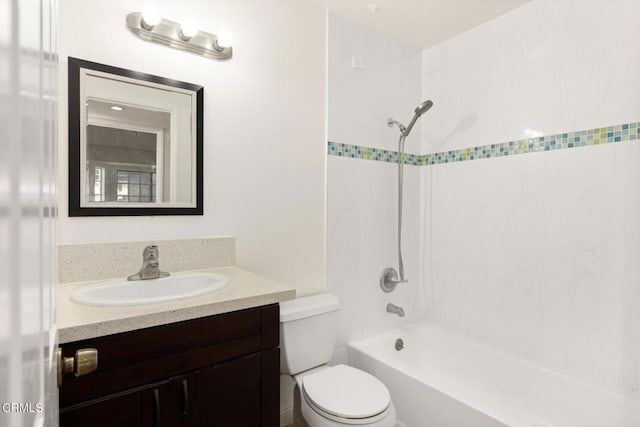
<point>392,308</point>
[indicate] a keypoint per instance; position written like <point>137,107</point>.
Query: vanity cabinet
<point>220,370</point>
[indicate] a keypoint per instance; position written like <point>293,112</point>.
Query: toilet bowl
<point>342,395</point>
<point>327,396</point>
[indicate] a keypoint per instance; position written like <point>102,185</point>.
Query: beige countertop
<point>245,290</point>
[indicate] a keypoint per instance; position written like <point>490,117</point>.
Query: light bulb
<point>188,29</point>
<point>150,17</point>
<point>225,39</point>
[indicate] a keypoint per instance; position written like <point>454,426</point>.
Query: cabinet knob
<point>84,362</point>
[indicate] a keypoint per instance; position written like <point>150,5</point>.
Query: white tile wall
<point>538,254</point>
<point>385,82</point>
<point>362,195</point>
<point>362,242</point>
<point>549,66</point>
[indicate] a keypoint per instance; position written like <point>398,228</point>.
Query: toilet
<point>327,396</point>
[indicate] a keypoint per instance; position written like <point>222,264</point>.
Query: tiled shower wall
<point>523,199</point>
<point>538,255</point>
<point>371,77</point>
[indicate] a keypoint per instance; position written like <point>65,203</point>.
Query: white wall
<point>362,194</point>
<point>538,255</point>
<point>264,132</point>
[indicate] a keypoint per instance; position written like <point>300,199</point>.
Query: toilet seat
<point>346,395</point>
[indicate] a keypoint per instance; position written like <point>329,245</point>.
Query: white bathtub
<point>441,380</point>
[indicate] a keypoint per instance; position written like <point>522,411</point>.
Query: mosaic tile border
<point>581,138</point>
<point>370,153</point>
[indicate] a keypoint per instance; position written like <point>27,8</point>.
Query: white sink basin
<point>149,291</point>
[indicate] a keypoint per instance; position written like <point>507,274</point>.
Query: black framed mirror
<point>135,143</point>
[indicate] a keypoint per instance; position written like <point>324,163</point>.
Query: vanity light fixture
<point>149,26</point>
<point>188,29</point>
<point>150,17</point>
<point>225,39</point>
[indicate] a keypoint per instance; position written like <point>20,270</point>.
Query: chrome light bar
<point>169,33</point>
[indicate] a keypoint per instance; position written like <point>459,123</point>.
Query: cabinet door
<point>156,405</point>
<point>149,406</point>
<point>229,394</point>
<point>122,409</point>
<point>184,405</point>
<point>119,410</point>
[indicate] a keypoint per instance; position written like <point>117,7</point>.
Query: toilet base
<point>298,419</point>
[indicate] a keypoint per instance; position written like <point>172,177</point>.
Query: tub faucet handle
<point>389,279</point>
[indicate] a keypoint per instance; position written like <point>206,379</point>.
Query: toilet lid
<point>346,392</point>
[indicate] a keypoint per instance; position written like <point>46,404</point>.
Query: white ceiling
<point>421,23</point>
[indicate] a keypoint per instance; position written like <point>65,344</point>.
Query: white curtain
<point>28,160</point>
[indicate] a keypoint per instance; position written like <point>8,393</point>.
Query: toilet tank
<point>308,328</point>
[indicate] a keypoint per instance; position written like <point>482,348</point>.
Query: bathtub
<point>442,380</point>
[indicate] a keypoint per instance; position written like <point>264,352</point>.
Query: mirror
<point>135,143</point>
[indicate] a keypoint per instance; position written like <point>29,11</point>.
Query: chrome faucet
<point>150,265</point>
<point>392,308</point>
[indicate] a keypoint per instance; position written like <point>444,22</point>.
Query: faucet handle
<point>150,265</point>
<point>150,253</point>
<point>389,279</point>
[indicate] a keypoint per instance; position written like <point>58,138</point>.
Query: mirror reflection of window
<point>130,129</point>
<point>124,164</point>
<point>98,186</point>
<point>134,186</point>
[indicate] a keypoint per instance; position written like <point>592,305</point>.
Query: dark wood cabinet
<point>221,370</point>
<point>122,409</point>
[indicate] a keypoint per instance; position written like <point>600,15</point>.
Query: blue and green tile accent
<point>370,153</point>
<point>561,141</point>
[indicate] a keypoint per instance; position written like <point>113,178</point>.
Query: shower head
<point>424,107</point>
<point>420,110</point>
